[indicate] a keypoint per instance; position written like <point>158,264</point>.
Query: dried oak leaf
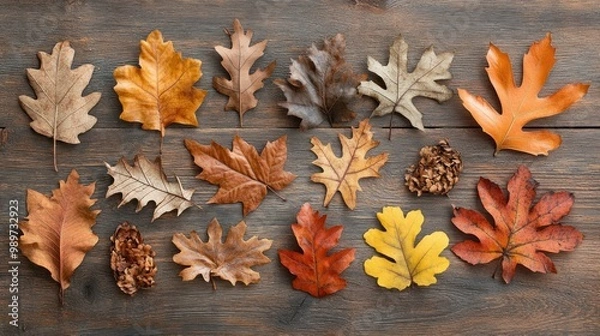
<point>60,111</point>
<point>237,61</point>
<point>146,181</point>
<point>321,84</point>
<point>317,272</point>
<point>231,261</point>
<point>342,173</point>
<point>521,233</point>
<point>57,233</point>
<point>411,263</point>
<point>242,174</point>
<point>521,105</point>
<point>401,86</point>
<point>131,260</point>
<point>160,92</point>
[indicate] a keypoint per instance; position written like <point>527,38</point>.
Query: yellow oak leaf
<point>412,263</point>
<point>160,92</point>
<point>342,173</point>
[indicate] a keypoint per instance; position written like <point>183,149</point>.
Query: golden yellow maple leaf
<point>160,92</point>
<point>342,173</point>
<point>412,263</point>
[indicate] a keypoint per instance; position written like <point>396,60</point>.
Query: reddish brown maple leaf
<point>317,273</point>
<point>521,232</point>
<point>242,174</point>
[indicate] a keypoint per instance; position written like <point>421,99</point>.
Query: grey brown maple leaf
<point>146,181</point>
<point>237,61</point>
<point>401,86</point>
<point>60,111</point>
<point>321,85</point>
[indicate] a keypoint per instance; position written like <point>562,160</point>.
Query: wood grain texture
<point>466,300</point>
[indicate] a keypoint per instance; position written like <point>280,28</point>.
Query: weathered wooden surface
<point>466,299</point>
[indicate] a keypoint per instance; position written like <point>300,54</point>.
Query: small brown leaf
<point>242,174</point>
<point>342,173</point>
<point>237,61</point>
<point>231,261</point>
<point>131,260</point>
<point>160,92</point>
<point>146,181</point>
<point>57,233</point>
<point>60,111</point>
<point>321,84</point>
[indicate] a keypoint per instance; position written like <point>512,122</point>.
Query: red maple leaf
<point>317,273</point>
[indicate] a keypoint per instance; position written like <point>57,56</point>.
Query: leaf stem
<point>390,134</point>
<point>61,296</point>
<point>54,152</point>
<point>275,192</point>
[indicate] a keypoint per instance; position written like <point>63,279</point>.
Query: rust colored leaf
<point>146,181</point>
<point>242,174</point>
<point>237,61</point>
<point>60,111</point>
<point>522,231</point>
<point>160,92</point>
<point>231,260</point>
<point>343,173</point>
<point>321,85</point>
<point>401,86</point>
<point>57,233</point>
<point>131,260</point>
<point>520,105</point>
<point>317,272</point>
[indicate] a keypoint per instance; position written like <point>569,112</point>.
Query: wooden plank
<point>464,294</point>
<point>464,301</point>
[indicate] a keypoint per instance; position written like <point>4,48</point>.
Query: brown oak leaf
<point>146,181</point>
<point>60,111</point>
<point>321,85</point>
<point>342,173</point>
<point>242,174</point>
<point>520,105</point>
<point>522,231</point>
<point>57,233</point>
<point>231,260</point>
<point>401,86</point>
<point>317,272</point>
<point>131,260</point>
<point>160,92</point>
<point>237,61</point>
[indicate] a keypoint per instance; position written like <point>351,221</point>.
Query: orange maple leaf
<point>160,92</point>
<point>521,105</point>
<point>241,173</point>
<point>317,273</point>
<point>521,232</point>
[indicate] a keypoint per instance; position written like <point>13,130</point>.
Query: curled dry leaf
<point>160,92</point>
<point>317,272</point>
<point>57,233</point>
<point>401,86</point>
<point>237,61</point>
<point>146,181</point>
<point>436,172</point>
<point>60,111</point>
<point>520,105</point>
<point>342,173</point>
<point>321,85</point>
<point>131,260</point>
<point>412,263</point>
<point>231,260</point>
<point>242,174</point>
<point>521,232</point>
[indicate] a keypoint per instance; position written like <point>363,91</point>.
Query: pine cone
<point>131,260</point>
<point>437,171</point>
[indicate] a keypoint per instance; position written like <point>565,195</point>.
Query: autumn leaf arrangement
<point>321,88</point>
